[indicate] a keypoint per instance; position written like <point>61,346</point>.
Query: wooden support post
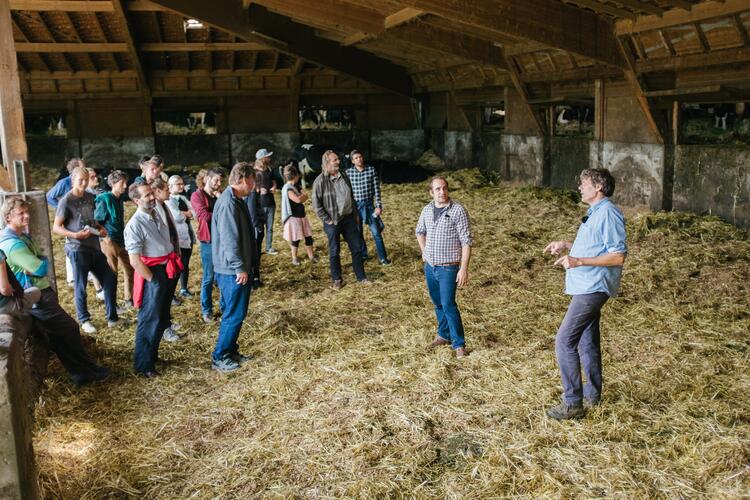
<point>12,132</point>
<point>600,106</point>
<point>521,89</point>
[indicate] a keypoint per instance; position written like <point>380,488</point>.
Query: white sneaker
<point>100,295</point>
<point>88,327</point>
<point>272,251</point>
<point>176,326</point>
<point>170,335</point>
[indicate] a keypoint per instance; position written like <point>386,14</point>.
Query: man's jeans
<point>441,283</point>
<point>577,346</point>
<point>153,318</point>
<point>270,212</point>
<point>348,228</point>
<point>365,209</point>
<point>236,301</point>
<point>84,261</point>
<point>207,282</point>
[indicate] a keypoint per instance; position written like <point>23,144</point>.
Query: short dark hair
<point>241,171</point>
<point>437,178</point>
<point>213,172</point>
<point>157,159</point>
<point>116,176</point>
<point>355,152</point>
<point>133,192</point>
<point>601,178</point>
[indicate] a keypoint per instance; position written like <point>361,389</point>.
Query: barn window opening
<point>574,120</point>
<point>193,24</point>
<point>185,122</point>
<point>494,117</point>
<point>714,123</point>
<point>325,118</point>
<point>45,124</point>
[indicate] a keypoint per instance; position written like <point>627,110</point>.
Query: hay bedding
<point>343,400</point>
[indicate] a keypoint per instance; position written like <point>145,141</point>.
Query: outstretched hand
<point>556,247</point>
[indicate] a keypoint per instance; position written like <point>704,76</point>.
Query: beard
<point>149,205</point>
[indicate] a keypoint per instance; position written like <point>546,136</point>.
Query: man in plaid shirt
<point>366,188</point>
<point>444,235</point>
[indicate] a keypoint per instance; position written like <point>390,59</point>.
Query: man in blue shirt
<point>593,268</point>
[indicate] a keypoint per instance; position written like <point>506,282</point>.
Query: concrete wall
<point>523,156</point>
<point>569,156</point>
<point>115,152</point>
<point>638,169</point>
<point>193,149</point>
<point>458,149</point>
<point>493,152</point>
<point>282,144</point>
<point>405,145</point>
<point>713,180</point>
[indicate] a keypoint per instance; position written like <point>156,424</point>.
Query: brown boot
<point>438,342</point>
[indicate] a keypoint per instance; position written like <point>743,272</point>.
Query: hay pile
<point>343,400</point>
<point>431,161</point>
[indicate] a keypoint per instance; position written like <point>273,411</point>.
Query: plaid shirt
<point>447,235</point>
<point>365,185</point>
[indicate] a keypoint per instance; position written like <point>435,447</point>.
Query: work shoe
<point>170,335</point>
<point>225,365</point>
<point>337,284</point>
<point>241,359</point>
<point>186,293</point>
<point>590,403</point>
<point>565,412</point>
<point>439,341</point>
<point>80,379</point>
<point>176,301</point>
<point>88,327</point>
<point>385,262</point>
<point>461,352</point>
<point>100,295</point>
<point>208,319</point>
<point>272,251</point>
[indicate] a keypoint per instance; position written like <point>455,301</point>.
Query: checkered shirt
<point>365,185</point>
<point>447,235</point>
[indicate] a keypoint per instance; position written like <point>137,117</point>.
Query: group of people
<point>153,249</point>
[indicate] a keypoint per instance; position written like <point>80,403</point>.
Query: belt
<point>447,264</point>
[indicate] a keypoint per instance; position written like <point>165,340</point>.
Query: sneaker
<point>257,283</point>
<point>385,262</point>
<point>176,326</point>
<point>272,251</point>
<point>295,262</point>
<point>170,335</point>
<point>88,327</point>
<point>314,259</point>
<point>176,301</point>
<point>71,284</point>
<point>461,352</point>
<point>439,341</point>
<point>241,359</point>
<point>186,293</point>
<point>128,304</point>
<point>121,310</point>
<point>116,323</point>
<point>566,412</point>
<point>364,281</point>
<point>337,284</point>
<point>225,365</point>
<point>208,319</point>
<point>100,295</point>
<point>590,403</point>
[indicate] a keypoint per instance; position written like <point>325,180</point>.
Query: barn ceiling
<point>89,48</point>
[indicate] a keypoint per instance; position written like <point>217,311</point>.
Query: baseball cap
<point>263,153</point>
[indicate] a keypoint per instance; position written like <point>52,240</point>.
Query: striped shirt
<point>365,185</point>
<point>446,235</point>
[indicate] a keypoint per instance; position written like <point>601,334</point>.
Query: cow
<point>196,118</point>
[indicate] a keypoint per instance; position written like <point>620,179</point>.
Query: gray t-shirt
<point>77,213</point>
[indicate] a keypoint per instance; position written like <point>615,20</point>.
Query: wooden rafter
<point>632,77</point>
<point>515,76</point>
<point>641,6</point>
<point>564,27</point>
<point>713,58</point>
<point>699,12</point>
<point>740,29</point>
<point>330,12</point>
<point>666,42</point>
<point>70,47</point>
<point>639,48</point>
<point>684,4</point>
<point>103,35</point>
<point>67,17</point>
<point>200,46</point>
<point>398,18</point>
<point>605,8</point>
<point>46,29</point>
<point>62,5</point>
<point>130,41</point>
<point>705,47</point>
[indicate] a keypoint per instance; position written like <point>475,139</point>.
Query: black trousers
<point>185,254</point>
<point>347,227</point>
<point>153,318</point>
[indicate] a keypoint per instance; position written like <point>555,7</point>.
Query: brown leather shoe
<point>438,342</point>
<point>337,284</point>
<point>461,352</point>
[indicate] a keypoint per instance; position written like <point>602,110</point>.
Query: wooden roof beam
<point>639,92</point>
<point>515,76</point>
<point>132,50</point>
<point>396,19</point>
<point>330,12</point>
<point>62,5</point>
<point>641,6</point>
<point>464,46</point>
<point>70,47</point>
<point>257,24</point>
<point>201,46</point>
<point>605,8</point>
<point>713,58</point>
<point>675,17</point>
<point>552,23</point>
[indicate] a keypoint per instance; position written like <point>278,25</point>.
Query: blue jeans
<point>153,318</point>
<point>348,228</point>
<point>365,209</point>
<point>441,283</point>
<point>207,281</point>
<point>270,212</point>
<point>236,301</point>
<point>578,346</point>
<point>83,262</point>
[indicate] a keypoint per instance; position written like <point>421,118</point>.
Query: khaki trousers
<point>116,257</point>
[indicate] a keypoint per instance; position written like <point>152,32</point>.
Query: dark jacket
<point>324,198</point>
<point>233,245</point>
<point>257,215</point>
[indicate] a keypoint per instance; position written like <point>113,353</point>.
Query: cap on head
<point>263,153</point>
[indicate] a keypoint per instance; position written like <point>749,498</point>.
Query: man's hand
<point>568,262</point>
<point>241,278</point>
<point>103,232</point>
<point>462,277</point>
<point>149,277</point>
<point>378,211</point>
<point>329,222</point>
<point>263,191</point>
<point>556,247</point>
<point>82,234</point>
<point>187,214</point>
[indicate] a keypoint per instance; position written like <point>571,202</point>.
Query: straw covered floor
<point>342,398</point>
